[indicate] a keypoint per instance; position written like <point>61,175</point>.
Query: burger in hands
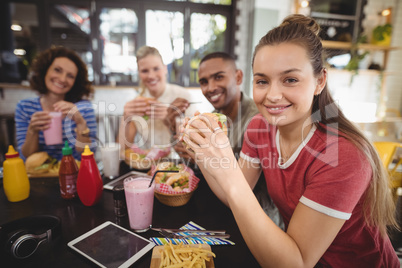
<point>147,100</point>
<point>39,163</point>
<point>221,119</point>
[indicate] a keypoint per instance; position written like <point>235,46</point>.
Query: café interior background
<point>106,34</point>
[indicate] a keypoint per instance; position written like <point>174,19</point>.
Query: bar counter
<point>76,219</point>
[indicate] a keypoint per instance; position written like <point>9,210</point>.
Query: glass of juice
<point>140,202</point>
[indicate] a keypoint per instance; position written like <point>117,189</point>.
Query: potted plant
<point>356,57</point>
<point>382,35</point>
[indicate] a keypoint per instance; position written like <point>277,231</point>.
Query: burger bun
<point>146,99</point>
<point>35,163</point>
<point>221,119</point>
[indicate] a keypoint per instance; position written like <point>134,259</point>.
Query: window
<point>70,26</point>
<point>106,34</point>
<point>19,44</point>
<point>207,35</point>
<point>118,35</point>
<point>164,31</point>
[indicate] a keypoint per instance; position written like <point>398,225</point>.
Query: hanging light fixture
<point>16,27</point>
<point>304,3</point>
<point>386,12</point>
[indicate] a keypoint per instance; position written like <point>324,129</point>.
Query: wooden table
<point>203,208</point>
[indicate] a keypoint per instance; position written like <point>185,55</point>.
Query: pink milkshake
<point>54,135</point>
<point>140,202</point>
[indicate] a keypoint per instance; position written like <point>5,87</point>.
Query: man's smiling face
<point>218,81</point>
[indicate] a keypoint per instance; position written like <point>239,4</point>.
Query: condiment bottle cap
<point>67,150</point>
<point>87,151</point>
<point>118,192</point>
<point>11,152</point>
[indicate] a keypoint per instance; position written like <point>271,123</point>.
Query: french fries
<point>176,256</point>
<point>55,168</point>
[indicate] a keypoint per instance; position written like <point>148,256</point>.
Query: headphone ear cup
<point>13,237</point>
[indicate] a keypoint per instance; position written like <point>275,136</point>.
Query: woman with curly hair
<point>60,77</point>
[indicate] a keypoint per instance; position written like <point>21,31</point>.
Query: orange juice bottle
<point>15,179</point>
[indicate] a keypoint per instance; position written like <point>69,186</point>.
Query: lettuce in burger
<point>40,162</point>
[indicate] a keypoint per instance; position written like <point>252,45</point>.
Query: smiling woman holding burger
<point>325,177</point>
<point>144,115</point>
<point>61,78</point>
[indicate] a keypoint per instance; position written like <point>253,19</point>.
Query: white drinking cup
<point>110,154</point>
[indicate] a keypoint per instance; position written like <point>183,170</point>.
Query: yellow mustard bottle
<point>15,179</point>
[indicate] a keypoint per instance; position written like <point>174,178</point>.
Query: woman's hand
<point>182,151</point>
<point>135,107</point>
<point>39,121</point>
<point>69,109</point>
<point>211,147</point>
<point>177,108</point>
<point>156,110</point>
<point>145,107</point>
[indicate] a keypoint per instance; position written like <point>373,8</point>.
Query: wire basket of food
<point>174,200</point>
<point>141,159</point>
<point>174,189</point>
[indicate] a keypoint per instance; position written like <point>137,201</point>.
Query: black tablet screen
<point>111,246</point>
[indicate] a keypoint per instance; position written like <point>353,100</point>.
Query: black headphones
<point>22,237</point>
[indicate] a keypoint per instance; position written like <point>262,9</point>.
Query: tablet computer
<point>119,180</point>
<point>110,245</point>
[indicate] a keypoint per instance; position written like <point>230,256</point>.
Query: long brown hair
<point>82,88</point>
<point>379,207</point>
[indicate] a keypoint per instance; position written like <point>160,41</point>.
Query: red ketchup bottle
<point>68,173</point>
<point>89,181</point>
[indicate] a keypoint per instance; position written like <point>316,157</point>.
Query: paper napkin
<point>193,240</point>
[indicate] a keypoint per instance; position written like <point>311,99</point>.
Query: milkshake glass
<point>54,135</point>
<point>140,202</point>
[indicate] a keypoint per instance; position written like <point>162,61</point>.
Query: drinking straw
<point>100,142</point>
<point>164,171</point>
